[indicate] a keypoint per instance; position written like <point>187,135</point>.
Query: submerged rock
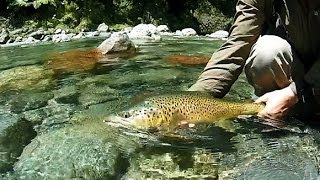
<point>87,151</point>
<point>15,134</point>
<point>73,61</point>
<point>187,59</point>
<point>200,164</point>
<point>25,77</point>
<point>28,101</point>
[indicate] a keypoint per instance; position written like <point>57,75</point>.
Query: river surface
<point>54,98</point>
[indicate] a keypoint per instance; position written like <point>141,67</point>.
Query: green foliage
<point>36,4</point>
<point>202,15</point>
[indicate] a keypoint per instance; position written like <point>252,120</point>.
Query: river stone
<point>25,77</point>
<point>93,94</point>
<point>67,95</point>
<point>18,39</point>
<point>119,42</point>
<point>200,164</point>
<point>58,31</point>
<point>92,34</point>
<point>31,40</point>
<point>105,34</point>
<point>188,32</point>
<point>275,154</point>
<point>219,34</point>
<point>86,151</point>
<point>4,37</point>
<point>52,116</point>
<point>47,38</point>
<point>79,36</point>
<point>61,37</point>
<point>144,31</point>
<point>15,134</point>
<point>17,31</point>
<point>39,34</point>
<point>29,101</point>
<point>103,28</point>
<point>178,33</point>
<point>163,28</point>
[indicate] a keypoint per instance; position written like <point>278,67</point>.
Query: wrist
<point>292,96</point>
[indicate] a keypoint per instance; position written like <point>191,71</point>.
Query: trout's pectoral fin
<point>185,124</point>
<point>179,120</point>
<point>226,124</point>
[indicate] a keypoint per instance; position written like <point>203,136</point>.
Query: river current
<point>54,98</point>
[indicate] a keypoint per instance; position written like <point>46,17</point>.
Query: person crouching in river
<point>277,43</point>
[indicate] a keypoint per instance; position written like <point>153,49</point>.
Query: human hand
<point>278,103</point>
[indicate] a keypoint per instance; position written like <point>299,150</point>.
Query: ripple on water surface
<point>66,107</point>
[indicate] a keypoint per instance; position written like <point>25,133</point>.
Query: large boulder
<point>118,43</point>
<point>86,151</point>
<point>144,31</point>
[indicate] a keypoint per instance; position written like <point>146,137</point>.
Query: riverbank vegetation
<point>205,16</point>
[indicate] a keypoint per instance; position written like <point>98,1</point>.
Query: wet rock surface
<point>15,134</point>
<point>84,151</point>
<point>25,77</point>
<point>187,59</point>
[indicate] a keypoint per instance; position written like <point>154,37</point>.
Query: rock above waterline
<point>163,28</point>
<point>4,36</point>
<point>219,34</point>
<point>61,37</point>
<point>118,43</point>
<point>39,34</point>
<point>188,32</point>
<point>144,31</point>
<point>103,28</point>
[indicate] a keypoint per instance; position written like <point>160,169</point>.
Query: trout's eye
<point>125,114</point>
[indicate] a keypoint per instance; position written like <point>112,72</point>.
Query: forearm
<point>227,63</point>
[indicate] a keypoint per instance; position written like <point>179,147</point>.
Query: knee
<point>267,50</point>
<point>268,66</point>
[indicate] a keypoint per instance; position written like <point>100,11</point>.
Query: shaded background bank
<point>205,16</point>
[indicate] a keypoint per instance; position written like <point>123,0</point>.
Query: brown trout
<point>167,111</point>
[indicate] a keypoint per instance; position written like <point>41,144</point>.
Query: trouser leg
<point>272,65</point>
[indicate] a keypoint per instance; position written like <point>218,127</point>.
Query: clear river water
<point>54,98</point>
